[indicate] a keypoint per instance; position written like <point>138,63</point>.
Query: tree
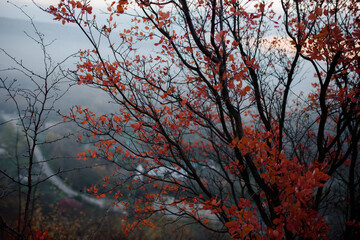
<point>211,124</point>
<point>33,97</point>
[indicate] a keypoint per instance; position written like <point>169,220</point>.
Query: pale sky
<point>9,11</point>
<point>67,37</point>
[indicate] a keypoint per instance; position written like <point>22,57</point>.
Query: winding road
<point>47,172</point>
<point>103,203</point>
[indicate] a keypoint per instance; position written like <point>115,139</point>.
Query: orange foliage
<point>210,125</point>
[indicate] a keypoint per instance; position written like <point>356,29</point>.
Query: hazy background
<point>65,40</point>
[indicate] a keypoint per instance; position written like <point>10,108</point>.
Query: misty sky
<point>67,40</point>
<point>9,11</point>
<point>67,37</point>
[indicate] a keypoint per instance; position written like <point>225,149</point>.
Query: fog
<point>65,41</point>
